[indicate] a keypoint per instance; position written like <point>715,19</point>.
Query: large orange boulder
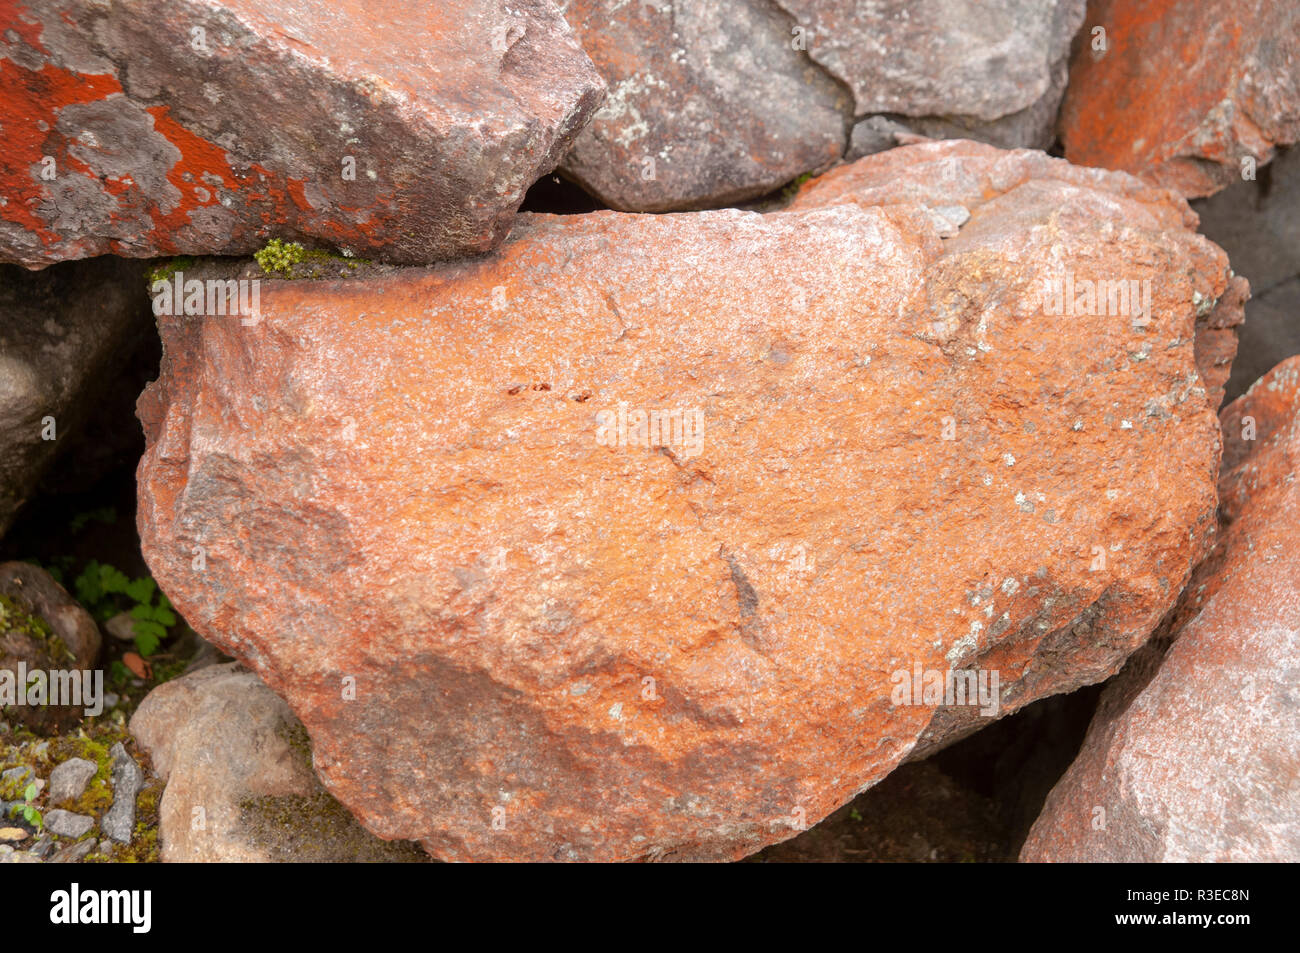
<point>1194,96</point>
<point>663,536</point>
<point>1194,754</point>
<point>158,127</point>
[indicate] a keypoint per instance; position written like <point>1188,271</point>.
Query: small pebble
<point>67,824</point>
<point>68,781</point>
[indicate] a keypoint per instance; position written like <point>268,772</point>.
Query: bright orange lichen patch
<point>1182,88</point>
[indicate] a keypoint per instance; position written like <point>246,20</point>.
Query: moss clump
<point>291,260</point>
<point>94,747</point>
<point>792,187</point>
<point>16,617</point>
<point>316,829</point>
<point>165,271</point>
<point>296,737</point>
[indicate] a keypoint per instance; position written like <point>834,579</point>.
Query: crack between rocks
<point>847,114</point>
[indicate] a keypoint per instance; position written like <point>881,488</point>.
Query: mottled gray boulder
<point>154,127</point>
<point>62,332</point>
<point>240,785</point>
<point>991,70</point>
<point>709,104</point>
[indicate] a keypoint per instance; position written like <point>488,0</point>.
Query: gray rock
<point>67,824</point>
<point>74,853</point>
<point>709,104</point>
<point>119,821</point>
<point>121,627</point>
<point>69,779</point>
<point>60,333</point>
<point>226,744</point>
<point>875,134</point>
<point>10,856</point>
<point>15,779</point>
<point>992,70</point>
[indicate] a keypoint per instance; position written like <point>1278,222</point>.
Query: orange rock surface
<point>516,625</point>
<point>1194,754</point>
<point>1183,92</point>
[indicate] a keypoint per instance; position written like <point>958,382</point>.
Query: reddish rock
<point>178,126</point>
<point>993,70</point>
<point>1194,754</point>
<point>1184,92</point>
<point>514,630</point>
<point>709,103</point>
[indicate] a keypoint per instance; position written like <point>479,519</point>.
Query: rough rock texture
<point>118,821</point>
<point>181,126</point>
<point>709,103</point>
<point>514,632</point>
<point>69,779</point>
<point>1194,755</point>
<point>44,628</point>
<point>67,824</point>
<point>1184,91</point>
<point>239,782</point>
<point>1257,224</point>
<point>61,332</point>
<point>993,70</point>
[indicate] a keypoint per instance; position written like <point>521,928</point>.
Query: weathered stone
<point>177,126</point>
<point>69,779</point>
<point>514,630</point>
<point>709,104</point>
<point>67,824</point>
<point>74,853</point>
<point>1257,224</point>
<point>118,821</point>
<point>232,754</point>
<point>42,629</point>
<point>1194,754</point>
<point>956,177</point>
<point>60,332</point>
<point>1184,93</point>
<point>993,70</point>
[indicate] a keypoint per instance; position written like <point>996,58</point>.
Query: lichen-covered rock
<point>709,104</point>
<point>993,70</point>
<point>43,630</point>
<point>612,544</point>
<point>239,782</point>
<point>155,127</point>
<point>61,333</point>
<point>1184,93</point>
<point>1194,754</point>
